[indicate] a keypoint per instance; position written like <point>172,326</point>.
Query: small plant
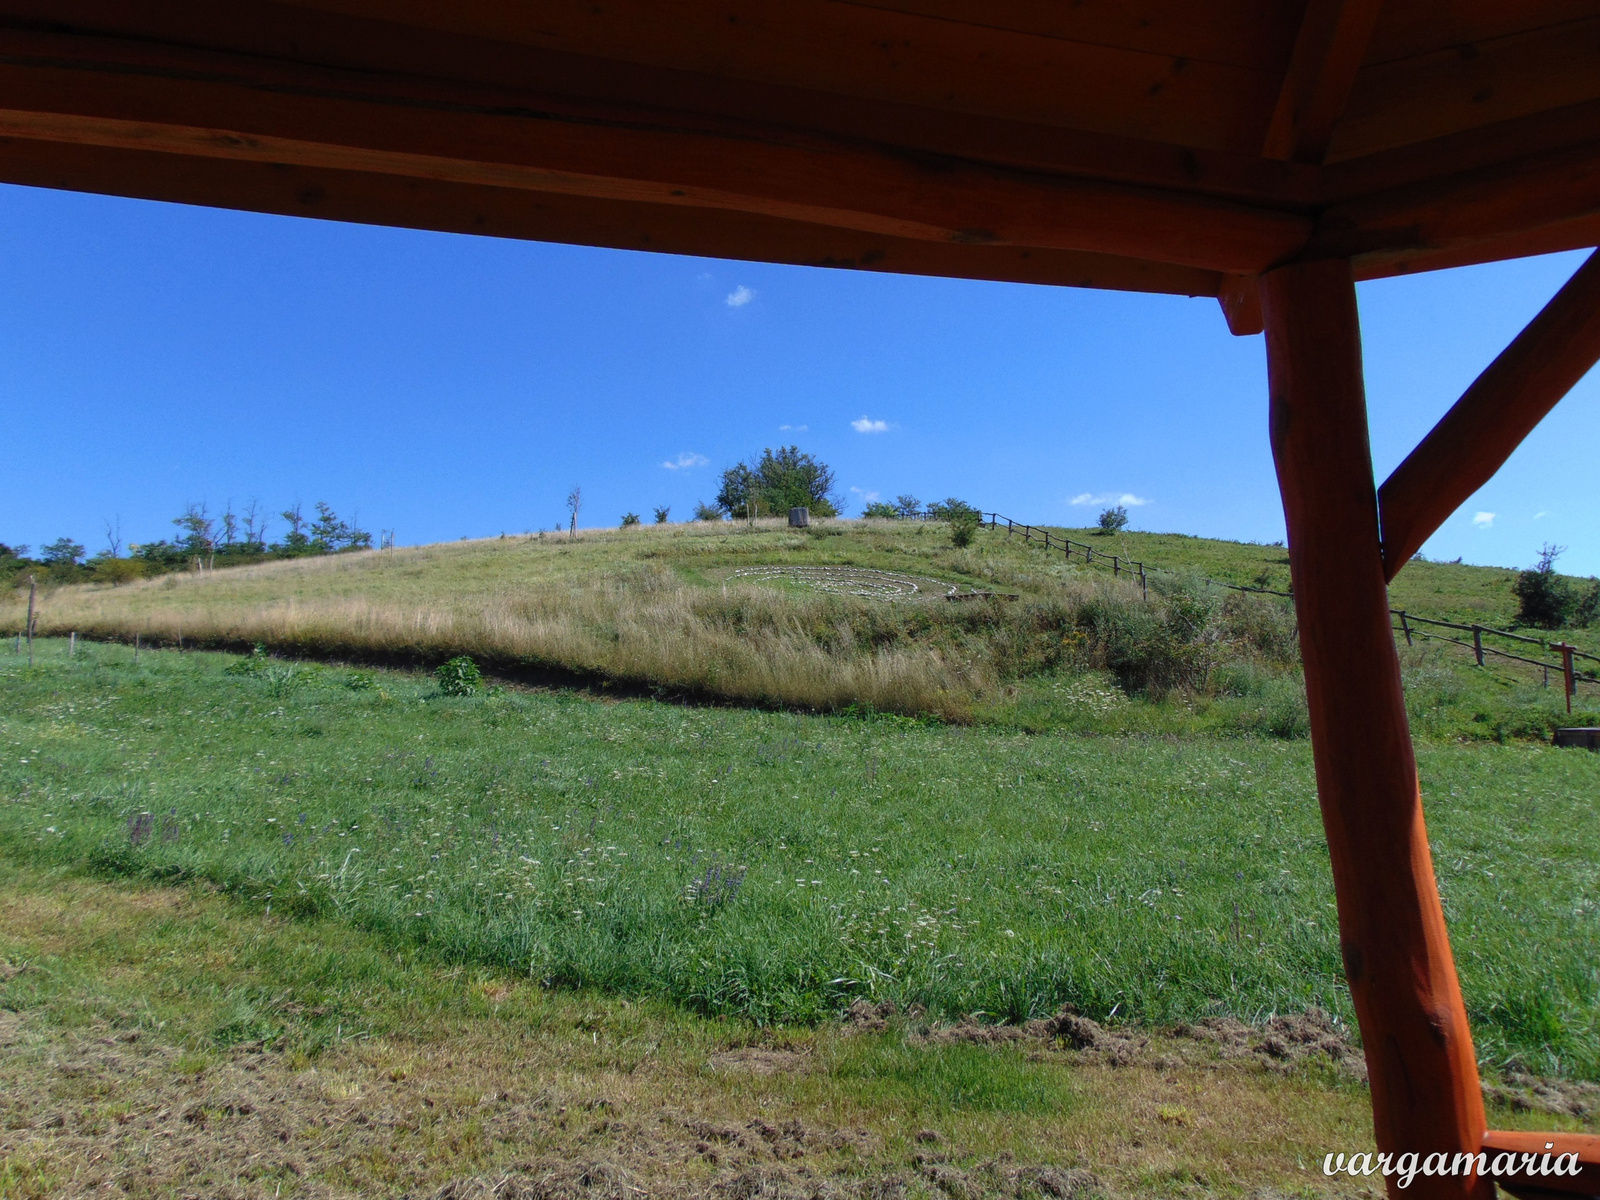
<point>281,679</point>
<point>719,885</point>
<point>707,512</point>
<point>361,681</point>
<point>1112,520</point>
<point>662,512</point>
<point>962,531</point>
<point>631,518</point>
<point>249,666</point>
<point>459,677</point>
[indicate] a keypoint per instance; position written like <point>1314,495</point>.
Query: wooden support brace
<point>1424,1078</point>
<point>1502,406</point>
<point>1322,72</point>
<point>1545,1149</point>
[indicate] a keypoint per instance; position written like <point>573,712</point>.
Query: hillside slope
<point>849,613</point>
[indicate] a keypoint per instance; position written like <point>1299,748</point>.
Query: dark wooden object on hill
<point>1493,416</point>
<point>1263,152</point>
<point>1425,1093</point>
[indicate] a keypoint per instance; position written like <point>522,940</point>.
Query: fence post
<point>32,588</point>
<point>72,644</point>
<point>1144,590</point>
<point>136,649</point>
<point>1477,643</point>
<point>1569,684</point>
<point>1405,625</point>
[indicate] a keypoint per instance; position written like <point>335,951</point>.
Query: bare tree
<point>230,524</point>
<point>255,527</point>
<point>574,503</point>
<point>113,538</point>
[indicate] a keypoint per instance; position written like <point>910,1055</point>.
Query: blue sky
<point>445,386</point>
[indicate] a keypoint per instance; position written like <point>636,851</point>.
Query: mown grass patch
<point>776,867</point>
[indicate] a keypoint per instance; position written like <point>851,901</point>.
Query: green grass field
<point>775,867</point>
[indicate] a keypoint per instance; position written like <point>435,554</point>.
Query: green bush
<point>963,528</point>
<point>1112,520</point>
<point>631,518</point>
<point>880,510</point>
<point>459,677</point>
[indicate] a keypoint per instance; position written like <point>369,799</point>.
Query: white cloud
<point>1540,513</point>
<point>686,460</point>
<point>1483,520</point>
<point>793,428</point>
<point>740,296</point>
<point>1126,499</point>
<point>867,425</point>
<point>867,497</point>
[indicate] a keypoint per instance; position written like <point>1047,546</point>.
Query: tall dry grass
<point>651,607</point>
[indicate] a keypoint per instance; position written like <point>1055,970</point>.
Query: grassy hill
<point>779,617</point>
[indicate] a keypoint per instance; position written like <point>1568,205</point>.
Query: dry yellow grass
<point>643,606</point>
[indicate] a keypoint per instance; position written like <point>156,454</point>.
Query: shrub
<point>1543,597</point>
<point>777,481</point>
<point>950,510</point>
<point>880,510</point>
<point>1112,520</point>
<point>907,506</point>
<point>631,518</point>
<point>706,512</point>
<point>963,528</point>
<point>662,513</point>
<point>459,677</point>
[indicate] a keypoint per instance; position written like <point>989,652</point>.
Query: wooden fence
<point>1406,623</point>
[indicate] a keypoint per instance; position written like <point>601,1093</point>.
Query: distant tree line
<point>202,542</point>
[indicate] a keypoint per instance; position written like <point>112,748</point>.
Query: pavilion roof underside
<point>1159,145</point>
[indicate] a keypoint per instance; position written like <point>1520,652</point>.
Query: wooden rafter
<point>1493,416</point>
<point>1327,54</point>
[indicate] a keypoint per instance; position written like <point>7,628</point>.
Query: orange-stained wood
<point>543,144</point>
<point>503,212</point>
<point>1492,417</point>
<point>1333,39</point>
<point>1423,1074</point>
<point>1240,297</point>
<point>1520,1144</point>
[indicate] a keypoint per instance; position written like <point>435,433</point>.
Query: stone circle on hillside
<point>867,582</point>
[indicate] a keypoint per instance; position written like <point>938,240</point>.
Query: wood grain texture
<point>1503,405</point>
<point>1327,54</point>
<point>1585,1145</point>
<point>311,118</point>
<point>1423,1073</point>
<point>345,195</point>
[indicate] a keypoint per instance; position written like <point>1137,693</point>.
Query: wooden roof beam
<point>1491,419</point>
<point>1333,39</point>
<point>206,107</point>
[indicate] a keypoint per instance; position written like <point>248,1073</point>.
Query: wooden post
<point>1424,1077</point>
<point>136,649</point>
<point>72,644</point>
<point>1568,680</point>
<point>1405,626</point>
<point>33,588</point>
<point>1477,643</point>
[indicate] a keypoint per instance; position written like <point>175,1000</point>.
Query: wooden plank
<point>548,145</point>
<point>1423,1073</point>
<point>1412,28</point>
<point>1328,51</point>
<point>1581,234</point>
<point>501,212</point>
<point>1493,416</point>
<point>1416,99</point>
<point>1494,203</point>
<point>1540,1145</point>
<point>1240,33</point>
<point>893,56</point>
<point>332,40</point>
